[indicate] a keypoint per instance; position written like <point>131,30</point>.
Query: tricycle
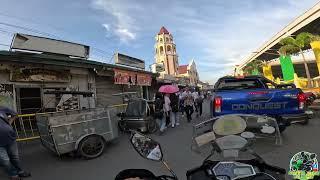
<point>139,115</point>
<point>83,131</point>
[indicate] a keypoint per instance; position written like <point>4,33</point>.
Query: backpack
<point>158,107</point>
<point>175,103</point>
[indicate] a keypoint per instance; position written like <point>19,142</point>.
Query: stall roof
<point>22,57</point>
<point>307,22</point>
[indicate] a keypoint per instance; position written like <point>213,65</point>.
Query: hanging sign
<point>131,78</point>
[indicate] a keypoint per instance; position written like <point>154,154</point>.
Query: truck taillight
<point>301,100</point>
<point>217,104</point>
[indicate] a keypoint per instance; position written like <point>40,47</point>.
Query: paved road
<point>175,143</point>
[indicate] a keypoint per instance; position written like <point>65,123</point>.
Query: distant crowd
<point>186,102</point>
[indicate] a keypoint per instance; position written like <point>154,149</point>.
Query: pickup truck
<point>258,95</point>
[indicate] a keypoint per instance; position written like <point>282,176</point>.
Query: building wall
<point>80,79</point>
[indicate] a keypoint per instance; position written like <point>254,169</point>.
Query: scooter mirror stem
<point>171,171</point>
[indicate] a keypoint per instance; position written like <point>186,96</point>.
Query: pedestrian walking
<point>159,112</point>
<point>167,108</point>
<point>174,115</point>
<point>188,104</point>
<point>195,95</point>
<point>199,102</point>
<point>9,155</point>
<point>181,102</point>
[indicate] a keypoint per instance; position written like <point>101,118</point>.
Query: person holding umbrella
<point>167,90</point>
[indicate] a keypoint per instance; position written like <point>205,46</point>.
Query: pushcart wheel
<point>91,147</point>
<point>152,126</point>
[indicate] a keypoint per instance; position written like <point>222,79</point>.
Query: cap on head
<point>6,112</point>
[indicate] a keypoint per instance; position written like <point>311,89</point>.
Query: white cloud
<point>106,26</point>
<point>122,19</point>
<point>219,34</point>
<point>125,35</point>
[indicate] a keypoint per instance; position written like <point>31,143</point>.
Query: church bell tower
<point>165,52</point>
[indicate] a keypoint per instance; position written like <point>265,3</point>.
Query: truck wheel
<point>91,147</point>
<point>152,126</point>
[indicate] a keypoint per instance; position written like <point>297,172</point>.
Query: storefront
<point>25,80</point>
<point>134,81</point>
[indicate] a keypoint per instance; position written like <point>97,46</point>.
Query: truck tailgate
<point>259,101</point>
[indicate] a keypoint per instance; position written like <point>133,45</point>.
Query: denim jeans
<point>189,111</point>
<point>9,159</point>
<point>174,118</point>
<point>161,123</point>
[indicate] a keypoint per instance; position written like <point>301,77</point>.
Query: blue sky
<point>216,33</point>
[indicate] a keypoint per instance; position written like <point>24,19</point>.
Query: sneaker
<point>177,124</point>
<point>24,174</point>
<point>172,126</point>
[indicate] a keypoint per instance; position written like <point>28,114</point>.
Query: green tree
<point>254,66</point>
<point>290,45</point>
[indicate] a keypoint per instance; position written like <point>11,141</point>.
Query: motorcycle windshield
<point>234,136</point>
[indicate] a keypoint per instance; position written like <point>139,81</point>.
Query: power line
<point>30,20</point>
<point>4,45</point>
<point>5,31</point>
<point>103,52</point>
<point>49,25</point>
<point>46,34</point>
<point>29,29</point>
<point>111,59</point>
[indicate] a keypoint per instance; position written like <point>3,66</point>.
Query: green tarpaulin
<point>287,68</point>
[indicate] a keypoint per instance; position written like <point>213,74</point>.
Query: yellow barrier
<point>26,127</point>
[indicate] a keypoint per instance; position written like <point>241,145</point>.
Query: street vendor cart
<point>84,131</point>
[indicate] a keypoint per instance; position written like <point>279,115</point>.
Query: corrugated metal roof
<point>19,57</point>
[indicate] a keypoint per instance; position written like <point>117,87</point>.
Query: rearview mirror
<point>146,147</point>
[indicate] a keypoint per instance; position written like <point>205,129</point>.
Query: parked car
<point>258,95</point>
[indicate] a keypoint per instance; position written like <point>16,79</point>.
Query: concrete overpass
<point>307,22</point>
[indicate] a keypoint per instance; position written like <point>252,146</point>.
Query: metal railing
<point>26,127</point>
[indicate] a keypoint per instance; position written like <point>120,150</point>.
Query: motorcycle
<point>231,138</point>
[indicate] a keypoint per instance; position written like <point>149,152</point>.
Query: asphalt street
<point>175,143</point>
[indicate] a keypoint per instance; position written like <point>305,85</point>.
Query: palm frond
<point>289,49</point>
<point>303,39</point>
<point>287,40</point>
